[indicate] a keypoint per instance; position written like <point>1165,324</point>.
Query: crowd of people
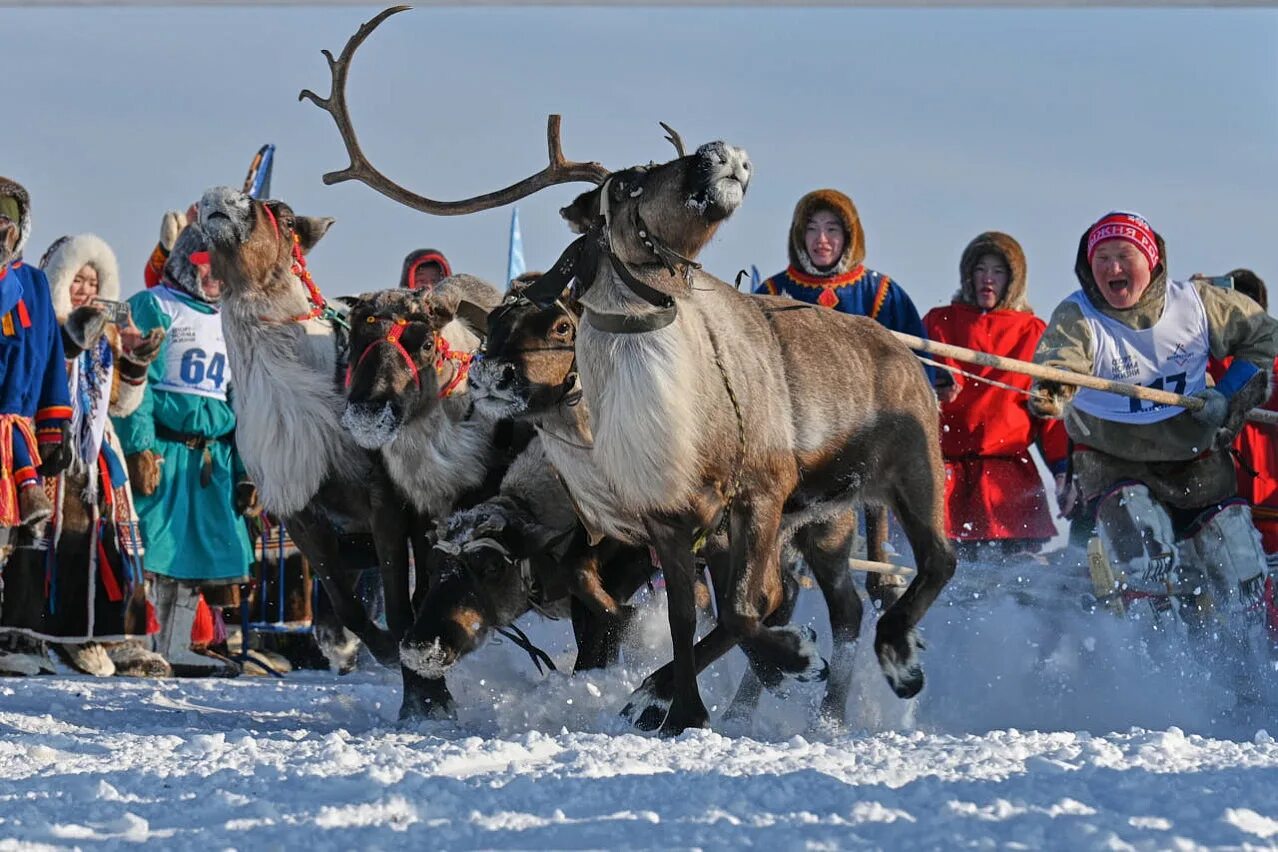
<point>123,502</point>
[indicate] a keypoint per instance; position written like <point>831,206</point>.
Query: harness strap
<point>538,656</point>
<point>396,332</point>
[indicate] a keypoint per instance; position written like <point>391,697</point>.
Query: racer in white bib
<point>195,357</point>
<point>1159,480</point>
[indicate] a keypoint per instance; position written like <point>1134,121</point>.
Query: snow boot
<point>23,656</point>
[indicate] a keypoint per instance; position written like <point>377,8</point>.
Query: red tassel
<point>1271,610</point>
<point>109,582</point>
<point>202,632</point>
<point>152,623</point>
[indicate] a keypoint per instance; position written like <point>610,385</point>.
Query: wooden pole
<point>880,567</point>
<point>1067,377</point>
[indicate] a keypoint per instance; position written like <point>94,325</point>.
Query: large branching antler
<point>558,171</point>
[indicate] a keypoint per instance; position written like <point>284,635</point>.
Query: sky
<point>939,123</point>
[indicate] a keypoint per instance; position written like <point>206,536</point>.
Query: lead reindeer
<point>709,406</point>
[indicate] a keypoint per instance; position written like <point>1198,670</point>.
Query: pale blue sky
<point>939,124</point>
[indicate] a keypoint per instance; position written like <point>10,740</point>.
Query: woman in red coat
<point>994,493</point>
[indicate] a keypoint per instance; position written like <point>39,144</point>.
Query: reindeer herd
<point>530,452</point>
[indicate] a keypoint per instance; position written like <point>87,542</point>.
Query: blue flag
<point>258,182</point>
<point>515,257</point>
<point>755,279</point>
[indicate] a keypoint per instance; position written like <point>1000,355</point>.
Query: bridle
<point>580,262</point>
<point>444,354</point>
<point>320,309</point>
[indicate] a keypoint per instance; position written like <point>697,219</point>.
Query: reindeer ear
<point>311,229</point>
<point>584,212</point>
<point>475,317</point>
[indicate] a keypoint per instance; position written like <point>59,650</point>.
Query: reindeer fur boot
<point>88,657</point>
<point>23,656</point>
<point>34,508</point>
<point>133,659</point>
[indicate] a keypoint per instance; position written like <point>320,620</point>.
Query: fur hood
<point>16,190</point>
<point>67,256</point>
<point>1146,312</point>
<point>995,242</point>
<point>179,272</point>
<point>417,258</point>
<point>853,237</point>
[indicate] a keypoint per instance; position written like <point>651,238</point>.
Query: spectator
<point>994,494</point>
<point>827,250</point>
<point>80,581</point>
<point>1255,451</point>
<point>181,454</point>
<point>1162,477</point>
<point>423,269</point>
<point>34,413</point>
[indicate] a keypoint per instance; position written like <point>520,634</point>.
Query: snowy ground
<point>1040,727</point>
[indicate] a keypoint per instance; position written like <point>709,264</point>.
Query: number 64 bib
<point>195,359</point>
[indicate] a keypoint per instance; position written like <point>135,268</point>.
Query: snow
<point>1041,726</point>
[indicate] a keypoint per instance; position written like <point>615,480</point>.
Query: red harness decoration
<point>313,294</point>
<point>443,355</point>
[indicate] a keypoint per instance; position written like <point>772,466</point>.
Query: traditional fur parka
<point>993,489</point>
<point>83,588</point>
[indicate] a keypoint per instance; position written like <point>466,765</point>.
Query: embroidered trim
<point>54,412</point>
<point>880,297</point>
<point>803,279</point>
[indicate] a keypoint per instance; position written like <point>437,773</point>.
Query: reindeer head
<point>256,246</point>
<point>662,216</point>
<point>483,582</point>
<point>402,362</point>
<point>529,364</point>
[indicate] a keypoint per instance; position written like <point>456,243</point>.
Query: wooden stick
<point>880,567</point>
<point>1067,377</point>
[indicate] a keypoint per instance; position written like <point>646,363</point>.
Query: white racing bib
<point>195,356</point>
<point>1172,356</point>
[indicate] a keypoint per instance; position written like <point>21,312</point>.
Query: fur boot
<point>89,658</point>
<point>133,659</point>
<point>23,656</point>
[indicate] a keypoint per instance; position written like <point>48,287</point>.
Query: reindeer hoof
<point>812,667</point>
<point>414,710</point>
<point>899,658</point>
<point>646,709</point>
<point>678,722</point>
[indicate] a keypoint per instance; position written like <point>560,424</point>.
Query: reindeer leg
<point>672,538</point>
<point>756,574</point>
<point>746,701</point>
<point>826,548</point>
<point>918,506</point>
<point>591,635</point>
<point>316,538</point>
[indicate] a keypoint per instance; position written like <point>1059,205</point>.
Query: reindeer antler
<point>673,137</point>
<point>558,171</point>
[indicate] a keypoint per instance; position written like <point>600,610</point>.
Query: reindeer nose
<point>506,375</point>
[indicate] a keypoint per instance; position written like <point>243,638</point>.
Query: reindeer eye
<point>563,327</point>
<point>371,319</point>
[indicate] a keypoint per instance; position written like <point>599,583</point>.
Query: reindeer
<point>675,363</point>
<point>284,342</point>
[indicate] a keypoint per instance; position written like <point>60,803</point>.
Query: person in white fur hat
<point>76,584</point>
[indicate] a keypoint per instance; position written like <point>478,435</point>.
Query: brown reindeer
<point>709,406</point>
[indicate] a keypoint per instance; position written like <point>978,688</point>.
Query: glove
<point>1049,399</point>
<point>85,326</point>
<point>1215,408</point>
<point>246,499</point>
<point>145,350</point>
<point>170,226</point>
<point>144,472</point>
<point>55,456</point>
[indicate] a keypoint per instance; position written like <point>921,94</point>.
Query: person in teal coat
<point>180,448</point>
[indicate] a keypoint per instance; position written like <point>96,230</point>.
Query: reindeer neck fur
<point>645,393</point>
<point>566,443</point>
<point>287,403</point>
<point>438,455</point>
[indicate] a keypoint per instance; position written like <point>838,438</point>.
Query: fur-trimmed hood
<point>853,236</point>
<point>67,256</point>
<point>16,190</point>
<point>1146,312</point>
<point>1003,245</point>
<point>179,272</point>
<point>418,257</point>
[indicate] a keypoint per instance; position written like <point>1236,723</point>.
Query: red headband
<point>1128,227</point>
